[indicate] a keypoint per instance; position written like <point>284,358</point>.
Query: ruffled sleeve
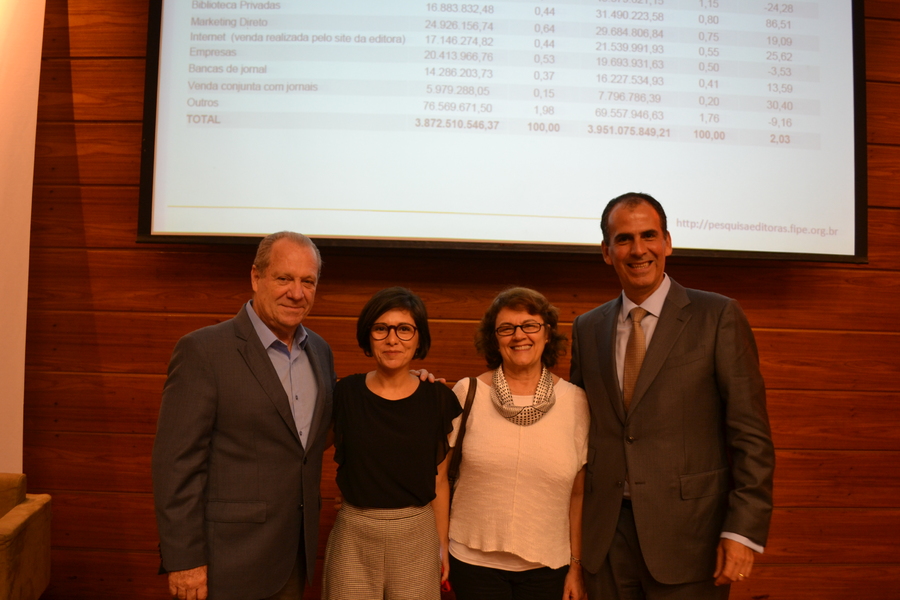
<point>448,409</point>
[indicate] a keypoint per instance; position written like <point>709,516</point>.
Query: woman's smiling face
<point>521,350</point>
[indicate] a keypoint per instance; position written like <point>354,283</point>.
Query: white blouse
<point>515,482</point>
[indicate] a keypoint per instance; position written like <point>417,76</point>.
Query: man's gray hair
<point>264,251</point>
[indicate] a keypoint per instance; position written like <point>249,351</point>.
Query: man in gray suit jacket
<point>678,493</point>
<point>243,424</point>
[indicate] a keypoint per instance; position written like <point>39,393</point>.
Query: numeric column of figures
<point>537,53</point>
<point>460,53</point>
<point>735,72</point>
<point>507,67</point>
<point>710,71</point>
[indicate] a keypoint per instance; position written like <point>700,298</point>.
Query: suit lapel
<point>260,365</point>
<point>671,322</point>
<point>606,337</point>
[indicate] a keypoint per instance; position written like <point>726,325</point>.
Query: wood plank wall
<point>105,312</point>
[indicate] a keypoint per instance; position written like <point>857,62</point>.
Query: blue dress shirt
<point>294,371</point>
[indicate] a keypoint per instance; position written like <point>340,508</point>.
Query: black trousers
<point>471,582</point>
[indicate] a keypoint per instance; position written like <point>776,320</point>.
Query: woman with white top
<point>515,522</point>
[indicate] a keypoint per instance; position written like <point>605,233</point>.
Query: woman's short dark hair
<point>534,303</point>
<point>389,299</point>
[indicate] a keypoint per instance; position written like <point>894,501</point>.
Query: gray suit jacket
<point>233,486</point>
<point>696,442</point>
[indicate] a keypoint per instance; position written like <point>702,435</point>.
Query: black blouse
<point>387,451</point>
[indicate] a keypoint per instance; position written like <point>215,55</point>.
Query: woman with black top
<point>390,537</point>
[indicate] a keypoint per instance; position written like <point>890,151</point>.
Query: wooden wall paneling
<point>61,280</point>
<point>771,295</point>
<point>830,536</point>
<point>104,521</point>
<point>88,153</point>
<point>108,342</point>
<point>95,28</point>
<point>90,462</point>
<point>78,573</point>
<point>884,226</point>
<point>884,173</point>
<point>881,115</point>
<point>83,217</point>
<point>818,582</point>
<point>92,90</point>
<point>882,50</point>
<point>92,402</point>
<point>882,9</point>
<point>837,479</point>
<point>90,342</point>
<point>829,420</point>
<point>824,360</point>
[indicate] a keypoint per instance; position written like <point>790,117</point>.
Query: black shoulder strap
<point>453,469</point>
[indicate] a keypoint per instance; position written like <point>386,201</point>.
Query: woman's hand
<point>445,567</point>
<point>441,507</point>
<point>574,588</point>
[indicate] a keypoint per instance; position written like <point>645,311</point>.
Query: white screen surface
<point>508,121</point>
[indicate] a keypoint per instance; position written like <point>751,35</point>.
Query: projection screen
<point>507,124</point>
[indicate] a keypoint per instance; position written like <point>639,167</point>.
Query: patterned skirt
<point>383,554</point>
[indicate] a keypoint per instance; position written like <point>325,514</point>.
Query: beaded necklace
<point>544,399</point>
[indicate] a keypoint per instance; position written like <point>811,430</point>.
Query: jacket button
<point>629,440</point>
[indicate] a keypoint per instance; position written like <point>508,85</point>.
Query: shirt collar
<point>652,305</point>
<point>265,334</point>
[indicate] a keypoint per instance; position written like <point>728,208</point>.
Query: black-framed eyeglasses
<point>404,331</point>
<point>507,329</point>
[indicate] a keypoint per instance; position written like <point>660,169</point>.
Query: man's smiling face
<point>284,294</point>
<point>637,249</point>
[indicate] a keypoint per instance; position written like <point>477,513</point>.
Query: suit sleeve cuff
<point>742,540</point>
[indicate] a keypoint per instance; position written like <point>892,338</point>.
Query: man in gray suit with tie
<point>678,493</point>
<point>238,454</point>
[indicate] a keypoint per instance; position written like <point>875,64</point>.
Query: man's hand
<point>189,584</point>
<point>424,375</point>
<point>734,561</point>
